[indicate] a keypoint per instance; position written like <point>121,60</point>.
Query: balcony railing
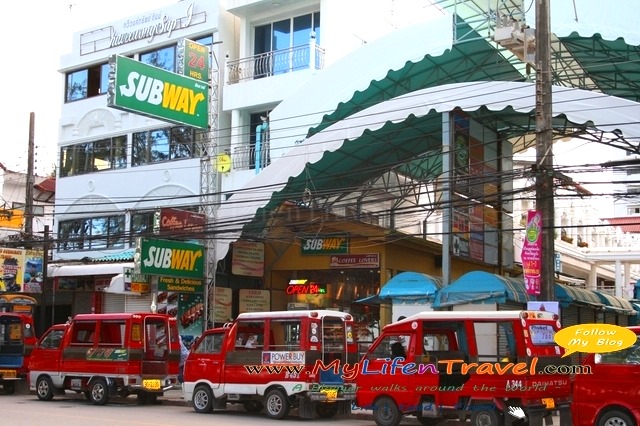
<point>275,62</point>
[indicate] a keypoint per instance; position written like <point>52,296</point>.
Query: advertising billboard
<point>154,92</point>
<point>171,259</point>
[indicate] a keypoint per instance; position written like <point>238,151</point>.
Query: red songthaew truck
<point>104,355</point>
<point>270,360</point>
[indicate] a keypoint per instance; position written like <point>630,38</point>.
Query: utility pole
<point>544,149</point>
<point>28,207</point>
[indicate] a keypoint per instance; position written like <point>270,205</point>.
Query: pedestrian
<point>184,353</point>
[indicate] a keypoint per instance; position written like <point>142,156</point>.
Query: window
<point>105,154</point>
<point>112,332</point>
<point>163,144</point>
<point>52,340</point>
<point>285,335</point>
<point>631,355</point>
<point>156,335</point>
<point>83,332</point>
<point>164,58</point>
<point>92,233</point>
<point>391,346</point>
<point>143,223</point>
<point>250,335</point>
<point>87,82</point>
<point>211,344</point>
<point>275,43</point>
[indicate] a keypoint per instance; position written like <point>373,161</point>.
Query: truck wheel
<point>326,410</point>
<point>202,399</point>
<point>615,418</point>
<point>277,404</point>
<point>486,418</point>
<point>44,388</point>
<point>99,392</point>
<point>252,406</point>
<point>9,388</point>
<point>386,412</point>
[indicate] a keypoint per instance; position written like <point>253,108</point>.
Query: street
<point>73,410</point>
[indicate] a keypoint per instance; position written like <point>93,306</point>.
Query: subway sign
<point>328,244</point>
<point>156,93</point>
<point>171,258</point>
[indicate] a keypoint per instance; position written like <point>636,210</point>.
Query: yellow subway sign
<point>171,258</point>
<point>154,92</point>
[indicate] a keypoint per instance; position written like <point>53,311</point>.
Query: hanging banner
<point>532,252</point>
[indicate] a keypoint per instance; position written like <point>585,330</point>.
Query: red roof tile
<point>629,224</point>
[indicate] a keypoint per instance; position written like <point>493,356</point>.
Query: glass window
<point>156,334</point>
<point>285,335</point>
<point>164,58</point>
<point>250,334</point>
<point>631,355</point>
<point>77,83</point>
<point>92,233</point>
<point>95,156</point>
<point>211,344</point>
<point>88,82</point>
<point>142,223</point>
<point>182,143</point>
<point>83,332</point>
<point>52,340</point>
<point>391,346</point>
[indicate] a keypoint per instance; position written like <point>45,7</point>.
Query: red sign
<point>345,261</point>
<point>181,220</point>
<point>532,252</point>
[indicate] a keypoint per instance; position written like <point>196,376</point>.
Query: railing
<point>244,158</point>
<point>275,62</point>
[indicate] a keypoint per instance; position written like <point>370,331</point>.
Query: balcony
<point>275,63</point>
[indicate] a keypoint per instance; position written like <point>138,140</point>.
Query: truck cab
<point>466,365</point>
<point>608,393</point>
<point>270,360</point>
<point>104,355</point>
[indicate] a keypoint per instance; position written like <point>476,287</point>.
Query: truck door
<point>46,355</point>
<point>206,360</point>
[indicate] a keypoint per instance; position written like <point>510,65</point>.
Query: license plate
<point>8,374</point>
<point>330,393</point>
<point>549,402</point>
<point>152,384</point>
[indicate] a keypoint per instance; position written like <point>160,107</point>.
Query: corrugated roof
<point>629,224</point>
<point>125,255</point>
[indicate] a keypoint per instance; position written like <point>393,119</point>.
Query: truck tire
<point>386,412</point>
<point>99,392</point>
<point>9,388</point>
<point>202,399</point>
<point>486,418</point>
<point>44,388</point>
<point>277,404</point>
<point>615,418</point>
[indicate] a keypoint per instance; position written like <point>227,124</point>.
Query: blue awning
<point>482,287</point>
<point>411,285</point>
<point>372,300</point>
<point>567,295</point>
<point>616,304</point>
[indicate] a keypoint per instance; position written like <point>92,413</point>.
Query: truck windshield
<point>11,340</point>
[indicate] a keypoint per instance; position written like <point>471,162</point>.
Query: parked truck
<point>106,355</point>
<point>16,340</point>
<point>275,361</point>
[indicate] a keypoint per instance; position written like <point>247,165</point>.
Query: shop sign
<point>254,301</point>
<point>184,285</point>
<point>328,244</point>
<point>305,287</point>
<point>181,220</point>
<point>170,258</point>
<point>154,92</point>
<point>194,60</point>
<point>532,252</point>
<point>222,304</point>
<point>247,259</point>
<point>283,357</point>
<point>355,261</point>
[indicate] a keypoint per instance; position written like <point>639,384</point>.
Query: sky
<point>36,35</point>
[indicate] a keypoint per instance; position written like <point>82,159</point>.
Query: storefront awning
<point>616,304</point>
<point>87,269</point>
<point>481,287</point>
<point>411,285</point>
<point>372,300</point>
<point>567,295</point>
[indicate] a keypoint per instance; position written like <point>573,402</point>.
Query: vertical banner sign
<point>193,60</point>
<point>532,252</point>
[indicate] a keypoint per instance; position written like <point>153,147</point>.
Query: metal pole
<point>544,151</point>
